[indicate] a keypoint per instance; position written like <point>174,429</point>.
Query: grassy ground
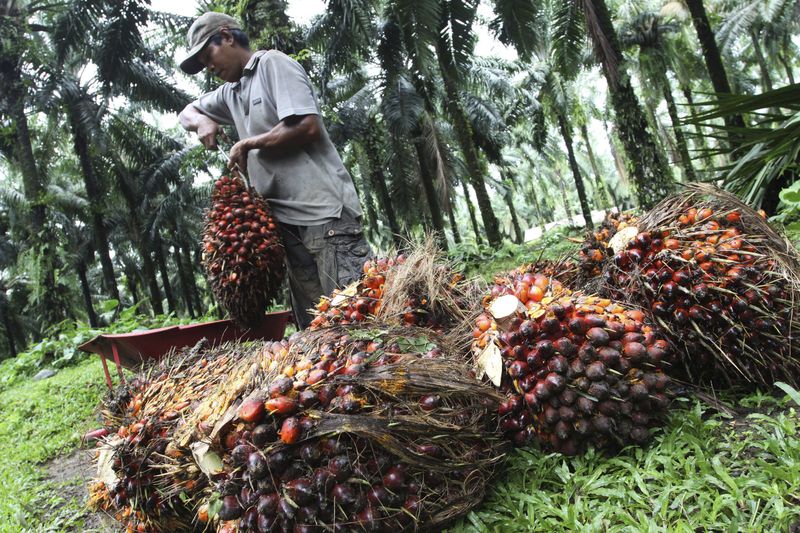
<point>40,421</point>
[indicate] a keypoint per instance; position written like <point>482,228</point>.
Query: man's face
<point>221,59</point>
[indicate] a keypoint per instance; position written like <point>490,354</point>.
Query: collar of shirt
<point>249,68</point>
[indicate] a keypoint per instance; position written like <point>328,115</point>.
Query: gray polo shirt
<point>306,186</point>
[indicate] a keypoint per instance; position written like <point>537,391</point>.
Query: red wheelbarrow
<point>132,349</point>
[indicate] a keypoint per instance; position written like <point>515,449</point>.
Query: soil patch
<point>71,474</point>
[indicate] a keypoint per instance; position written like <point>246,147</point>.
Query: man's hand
<point>193,120</point>
<point>238,156</point>
<point>207,131</point>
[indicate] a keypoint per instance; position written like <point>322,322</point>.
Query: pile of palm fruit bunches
<point>395,410</point>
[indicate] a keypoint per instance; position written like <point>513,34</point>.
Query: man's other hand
<point>238,156</point>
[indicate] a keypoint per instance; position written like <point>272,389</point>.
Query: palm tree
<point>769,28</point>
<point>454,46</point>
<point>713,60</point>
<point>647,31</point>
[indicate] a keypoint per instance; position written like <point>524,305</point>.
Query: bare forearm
<point>286,136</point>
<point>190,118</point>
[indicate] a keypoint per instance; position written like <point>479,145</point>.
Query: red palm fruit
<point>251,410</point>
<point>282,405</point>
<point>290,430</point>
<point>598,336</point>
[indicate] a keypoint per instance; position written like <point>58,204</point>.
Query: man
<point>285,152</point>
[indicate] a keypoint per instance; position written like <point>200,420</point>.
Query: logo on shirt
<point>257,101</point>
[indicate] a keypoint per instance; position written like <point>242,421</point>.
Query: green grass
<point>39,421</point>
<point>703,472</point>
<point>486,262</point>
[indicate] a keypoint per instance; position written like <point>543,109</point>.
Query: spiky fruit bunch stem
<point>242,252</point>
<point>577,369</point>
<point>721,283</point>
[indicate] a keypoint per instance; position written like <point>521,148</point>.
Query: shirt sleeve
<point>214,106</point>
<point>288,85</point>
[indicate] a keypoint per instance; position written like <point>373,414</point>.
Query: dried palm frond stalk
<point>720,282</point>
<point>146,480</point>
<point>242,252</point>
<point>576,369</point>
<point>352,428</point>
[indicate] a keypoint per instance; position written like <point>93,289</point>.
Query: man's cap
<point>202,30</point>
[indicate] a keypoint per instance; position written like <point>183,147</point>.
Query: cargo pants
<point>320,259</point>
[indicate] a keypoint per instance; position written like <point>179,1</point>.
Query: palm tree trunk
<point>94,192</point>
<point>680,140</point>
<point>158,249</point>
<point>540,217</point>
<point>564,198</point>
<point>453,225</point>
<point>186,293</point>
<point>471,209</point>
<point>651,174</point>
<point>508,197</point>
<point>766,79</point>
<point>378,178</point>
<point>786,67</point>
<point>431,195</point>
<point>190,273</point>
<point>142,246</point>
<point>713,60</point>
<point>566,134</point>
<point>8,323</point>
<point>130,281</point>
<point>699,137</point>
<point>601,191</point>
<point>87,295</point>
<point>474,167</point>
<point>32,182</point>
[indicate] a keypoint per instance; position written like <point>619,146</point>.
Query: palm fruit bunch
<point>720,282</point>
<point>417,289</point>
<point>576,369</point>
<point>146,480</point>
<point>360,300</point>
<point>596,247</point>
<point>351,430</point>
<point>242,252</point>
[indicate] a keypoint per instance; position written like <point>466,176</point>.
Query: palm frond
<point>514,25</point>
<point>567,32</point>
<point>66,200</point>
<point>456,37</point>
<point>402,106</point>
<point>419,24</point>
<point>75,26</point>
<point>343,35</point>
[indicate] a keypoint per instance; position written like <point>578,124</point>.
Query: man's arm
<point>292,133</point>
<point>192,119</point>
